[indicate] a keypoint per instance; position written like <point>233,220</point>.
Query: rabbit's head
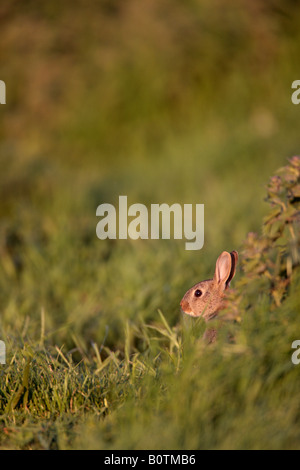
<point>207,297</point>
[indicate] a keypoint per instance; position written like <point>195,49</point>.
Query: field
<point>176,102</point>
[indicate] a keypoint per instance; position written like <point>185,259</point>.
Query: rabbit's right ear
<point>234,259</point>
<point>223,269</point>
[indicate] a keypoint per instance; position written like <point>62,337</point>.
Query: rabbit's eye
<point>198,293</point>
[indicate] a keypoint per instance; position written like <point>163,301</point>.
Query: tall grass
<point>173,102</point>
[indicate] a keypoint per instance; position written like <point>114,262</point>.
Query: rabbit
<point>207,297</point>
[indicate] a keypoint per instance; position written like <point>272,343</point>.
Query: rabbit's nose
<point>185,306</point>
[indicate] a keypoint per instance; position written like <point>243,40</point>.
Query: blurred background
<point>160,100</point>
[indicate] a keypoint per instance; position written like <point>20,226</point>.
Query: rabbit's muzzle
<point>185,306</point>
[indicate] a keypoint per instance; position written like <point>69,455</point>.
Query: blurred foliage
<point>170,101</point>
<point>269,260</point>
<point>115,79</point>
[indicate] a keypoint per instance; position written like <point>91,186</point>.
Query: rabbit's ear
<point>234,259</point>
<point>223,269</point>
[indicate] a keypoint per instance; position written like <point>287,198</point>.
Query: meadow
<point>174,102</point>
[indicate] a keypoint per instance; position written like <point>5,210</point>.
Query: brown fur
<point>211,300</point>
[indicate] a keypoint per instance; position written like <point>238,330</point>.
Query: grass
<point>241,395</point>
<point>170,104</point>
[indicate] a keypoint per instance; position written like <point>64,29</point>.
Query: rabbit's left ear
<point>225,268</point>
